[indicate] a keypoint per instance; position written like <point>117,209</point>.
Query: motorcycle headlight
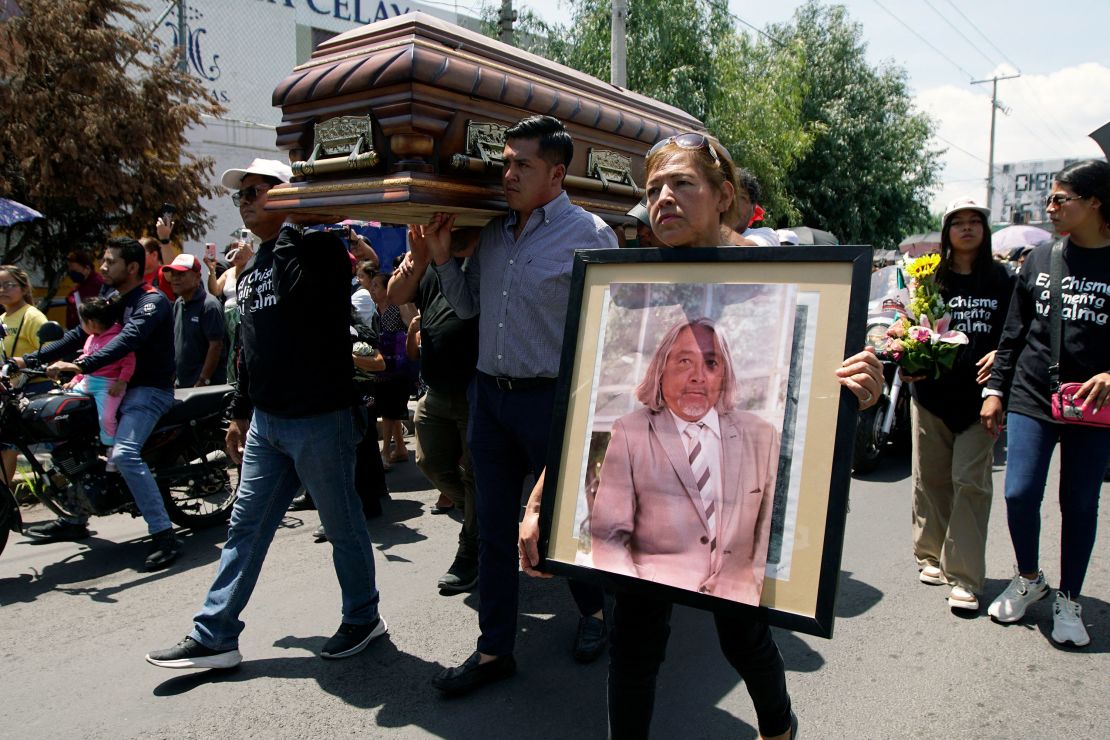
<point>876,336</point>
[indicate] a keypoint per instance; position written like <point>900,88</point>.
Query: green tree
<point>869,173</point>
<point>92,129</point>
<point>687,53</point>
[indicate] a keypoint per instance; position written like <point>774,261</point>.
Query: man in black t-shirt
<point>448,357</point>
<point>293,288</point>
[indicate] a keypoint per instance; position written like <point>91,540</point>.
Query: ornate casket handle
<point>346,142</point>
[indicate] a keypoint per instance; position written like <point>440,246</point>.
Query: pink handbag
<point>1067,408</point>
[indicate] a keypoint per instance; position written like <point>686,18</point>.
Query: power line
<point>738,19</point>
<point>960,148</point>
<point>1057,132</point>
<point>925,41</point>
<point>984,36</point>
<point>1049,127</point>
<point>962,35</point>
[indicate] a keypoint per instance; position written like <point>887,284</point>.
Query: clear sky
<point>1060,47</point>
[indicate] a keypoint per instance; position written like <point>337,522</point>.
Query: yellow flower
<point>924,266</point>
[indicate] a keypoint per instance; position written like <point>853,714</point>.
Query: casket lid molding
<point>425,84</point>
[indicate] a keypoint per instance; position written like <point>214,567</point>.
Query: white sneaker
<point>1067,622</point>
<point>1011,604</point>
<point>961,598</point>
<point>932,575</point>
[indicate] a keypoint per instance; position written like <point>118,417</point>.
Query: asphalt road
<point>77,618</point>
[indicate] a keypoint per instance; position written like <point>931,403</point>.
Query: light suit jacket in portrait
<point>648,519</point>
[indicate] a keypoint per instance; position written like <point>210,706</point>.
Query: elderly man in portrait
<point>688,482</point>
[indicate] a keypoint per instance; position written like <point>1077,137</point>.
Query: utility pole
<point>618,72</point>
<point>995,107</point>
<point>182,38</point>
<point>505,21</point>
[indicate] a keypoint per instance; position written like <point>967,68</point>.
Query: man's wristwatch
<point>164,241</point>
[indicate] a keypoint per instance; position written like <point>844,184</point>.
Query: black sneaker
<point>191,654</point>
<point>57,530</point>
<point>303,502</point>
<point>461,576</point>
<point>591,639</point>
<point>163,550</point>
<point>352,639</point>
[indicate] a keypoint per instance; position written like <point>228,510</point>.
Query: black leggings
<point>641,627</point>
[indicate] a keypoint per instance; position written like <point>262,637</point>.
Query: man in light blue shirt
<point>518,283</point>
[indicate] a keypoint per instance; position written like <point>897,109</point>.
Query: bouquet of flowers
<point>919,339</point>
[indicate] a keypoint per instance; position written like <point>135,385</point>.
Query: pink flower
<point>896,346</point>
<point>897,329</point>
<point>920,334</point>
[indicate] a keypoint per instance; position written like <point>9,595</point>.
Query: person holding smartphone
<point>160,252</point>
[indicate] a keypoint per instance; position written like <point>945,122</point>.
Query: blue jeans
<point>278,456</point>
<point>140,410</point>
<point>1084,453</point>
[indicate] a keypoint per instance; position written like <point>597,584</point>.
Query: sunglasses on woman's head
<point>691,141</point>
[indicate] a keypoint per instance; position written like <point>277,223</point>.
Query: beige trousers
<point>951,497</point>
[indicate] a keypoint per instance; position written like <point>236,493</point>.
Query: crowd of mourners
<point>471,323</point>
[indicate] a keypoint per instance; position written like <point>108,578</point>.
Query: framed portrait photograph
<point>702,446</point>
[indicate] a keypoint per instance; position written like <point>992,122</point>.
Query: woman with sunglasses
<point>22,322</point>
<point>691,195</point>
<point>1079,207</point>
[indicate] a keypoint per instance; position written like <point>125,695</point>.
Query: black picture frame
<point>839,278</point>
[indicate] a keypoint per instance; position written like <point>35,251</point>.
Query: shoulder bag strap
<point>18,331</point>
<point>1055,313</point>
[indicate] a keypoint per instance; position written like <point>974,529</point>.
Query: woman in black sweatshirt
<point>952,451</point>
<point>1079,206</point>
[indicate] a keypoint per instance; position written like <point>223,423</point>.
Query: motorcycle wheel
<point>869,437</point>
<point>205,499</point>
<point>7,516</point>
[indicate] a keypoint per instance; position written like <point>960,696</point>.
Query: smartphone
<point>168,209</point>
<point>210,251</point>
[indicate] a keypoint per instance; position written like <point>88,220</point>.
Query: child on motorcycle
<point>100,319</point>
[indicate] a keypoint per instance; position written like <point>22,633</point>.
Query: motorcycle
<point>889,419</point>
<point>185,454</point>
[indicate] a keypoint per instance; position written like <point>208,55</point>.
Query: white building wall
<point>241,50</point>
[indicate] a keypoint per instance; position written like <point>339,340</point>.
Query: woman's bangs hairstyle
<point>650,390</point>
<point>1089,179</point>
<point>20,276</point>
<point>717,172</point>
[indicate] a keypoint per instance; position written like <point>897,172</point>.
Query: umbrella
<point>1101,135</point>
<point>1018,235</point>
<point>807,235</point>
<point>12,213</point>
<point>916,245</point>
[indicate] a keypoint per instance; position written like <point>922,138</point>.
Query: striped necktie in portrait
<point>699,463</point>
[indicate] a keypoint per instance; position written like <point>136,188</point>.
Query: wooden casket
<point>405,117</point>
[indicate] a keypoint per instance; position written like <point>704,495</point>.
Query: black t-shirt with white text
<point>1024,354</point>
<point>978,306</point>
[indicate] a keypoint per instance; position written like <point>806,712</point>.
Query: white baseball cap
<point>232,179</point>
<point>966,203</point>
